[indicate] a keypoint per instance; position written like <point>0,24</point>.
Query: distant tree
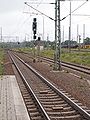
<point>73,44</point>
<point>49,44</point>
<point>52,44</point>
<point>87,41</point>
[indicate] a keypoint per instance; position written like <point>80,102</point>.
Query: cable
<point>74,10</point>
<point>39,11</point>
<point>79,7</point>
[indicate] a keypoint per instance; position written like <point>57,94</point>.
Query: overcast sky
<point>14,22</point>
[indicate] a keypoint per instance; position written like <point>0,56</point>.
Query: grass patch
<point>77,57</point>
<point>82,58</point>
<point>48,53</point>
<point>24,49</point>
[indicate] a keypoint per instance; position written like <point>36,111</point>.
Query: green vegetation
<point>87,41</point>
<point>77,57</point>
<point>48,53</point>
<point>1,61</point>
<point>23,49</point>
<point>82,58</point>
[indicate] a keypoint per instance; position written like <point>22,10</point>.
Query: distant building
<point>39,45</point>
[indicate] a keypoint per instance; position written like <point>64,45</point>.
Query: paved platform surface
<point>12,106</point>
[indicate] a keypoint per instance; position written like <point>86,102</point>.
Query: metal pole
<point>70,30</point>
<point>47,41</point>
<point>79,42</point>
<point>43,28</point>
<point>55,54</point>
<point>77,32</point>
<point>59,36</point>
<point>1,34</point>
<point>83,35</point>
<point>63,33</point>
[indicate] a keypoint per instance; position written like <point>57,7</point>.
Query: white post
<point>83,34</point>
<point>77,32</point>
<point>70,29</point>
<point>63,33</point>
<point>43,28</point>
<point>1,34</point>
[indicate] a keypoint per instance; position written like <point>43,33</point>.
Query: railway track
<point>72,66</point>
<point>43,100</point>
<point>77,67</point>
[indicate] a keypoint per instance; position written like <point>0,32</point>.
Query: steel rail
<point>73,66</point>
<point>67,64</point>
<point>86,68</point>
<point>82,112</point>
<point>31,91</point>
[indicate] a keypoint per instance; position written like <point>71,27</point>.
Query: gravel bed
<point>7,65</point>
<point>78,88</point>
